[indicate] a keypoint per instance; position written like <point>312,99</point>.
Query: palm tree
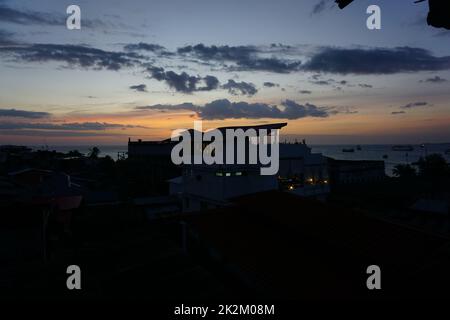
<point>94,152</point>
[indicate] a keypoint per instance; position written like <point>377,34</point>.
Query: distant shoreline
<point>51,147</point>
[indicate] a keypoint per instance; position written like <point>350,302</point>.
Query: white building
<point>209,186</point>
<point>204,186</point>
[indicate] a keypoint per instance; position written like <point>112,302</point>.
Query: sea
<point>384,152</point>
<point>366,152</point>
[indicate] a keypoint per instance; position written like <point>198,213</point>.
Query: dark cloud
<point>397,112</point>
<point>184,82</point>
<point>149,47</point>
<point>23,114</point>
<point>270,84</point>
<point>415,105</point>
<point>375,61</point>
<point>220,53</point>
<point>305,92</point>
<point>435,79</point>
<point>322,82</point>
<point>336,84</point>
<point>281,47</point>
<point>72,55</point>
<point>294,110</point>
<point>180,82</point>
<point>144,46</point>
<point>211,83</point>
<point>139,88</point>
<point>234,58</point>
<point>267,64</point>
<point>246,58</point>
<point>225,109</point>
<point>240,88</point>
<point>75,126</point>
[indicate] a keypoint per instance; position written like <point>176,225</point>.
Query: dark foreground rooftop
<point>289,247</point>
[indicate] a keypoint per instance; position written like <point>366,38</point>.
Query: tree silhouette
<point>94,152</point>
<point>74,154</point>
<point>433,166</point>
<point>404,171</point>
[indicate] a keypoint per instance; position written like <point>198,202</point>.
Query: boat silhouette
<point>403,148</point>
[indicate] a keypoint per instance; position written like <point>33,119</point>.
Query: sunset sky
<point>143,68</point>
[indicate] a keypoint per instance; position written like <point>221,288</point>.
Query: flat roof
<point>256,127</point>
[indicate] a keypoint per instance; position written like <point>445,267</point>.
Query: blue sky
<point>144,68</point>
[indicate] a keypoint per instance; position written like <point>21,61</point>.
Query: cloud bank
<point>23,114</point>
<point>225,109</point>
<point>375,61</point>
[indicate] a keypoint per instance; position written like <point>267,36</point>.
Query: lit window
<point>238,173</point>
<point>219,174</point>
<point>228,174</point>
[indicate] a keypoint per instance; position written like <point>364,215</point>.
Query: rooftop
<point>294,247</point>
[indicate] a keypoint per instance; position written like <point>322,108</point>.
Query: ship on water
<point>403,148</point>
